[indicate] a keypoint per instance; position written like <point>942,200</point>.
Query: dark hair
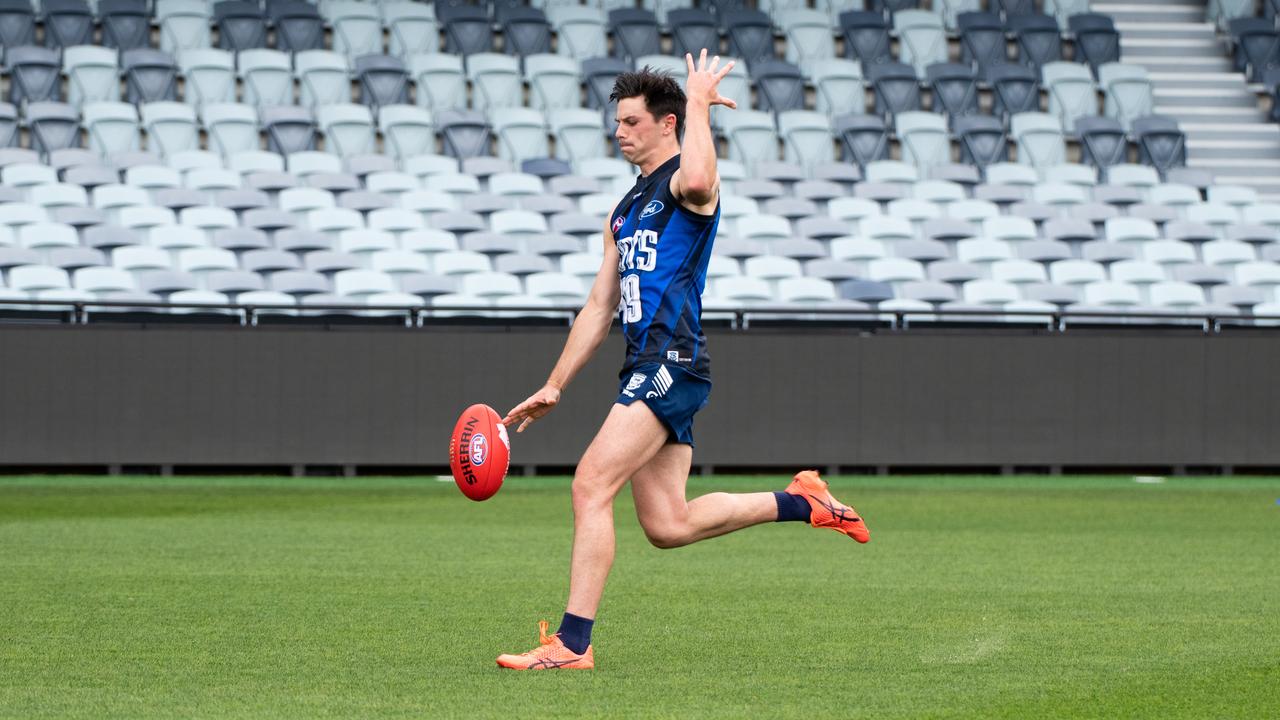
<point>662,94</point>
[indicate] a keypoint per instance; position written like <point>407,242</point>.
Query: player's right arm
<point>589,330</point>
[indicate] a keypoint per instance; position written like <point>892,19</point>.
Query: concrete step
<point>1159,64</point>
<point>1169,30</point>
<point>1199,80</point>
<point>1155,11</point>
<point>1256,151</point>
<point>1205,97</point>
<point>1196,130</point>
<point>1239,115</point>
<point>1170,48</point>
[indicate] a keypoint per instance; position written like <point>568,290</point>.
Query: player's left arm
<point>696,184</point>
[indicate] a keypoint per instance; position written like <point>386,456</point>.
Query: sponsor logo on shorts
<point>617,223</point>
<point>637,379</point>
<point>653,208</point>
<point>479,449</point>
<point>662,382</point>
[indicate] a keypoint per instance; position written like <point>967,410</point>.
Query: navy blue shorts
<point>672,393</point>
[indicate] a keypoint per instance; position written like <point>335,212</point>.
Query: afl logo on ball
<point>617,223</point>
<point>653,208</point>
<point>479,450</point>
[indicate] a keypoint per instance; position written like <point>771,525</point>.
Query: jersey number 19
<point>641,253</point>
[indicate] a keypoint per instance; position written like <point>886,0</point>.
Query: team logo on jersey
<point>617,223</point>
<point>653,208</point>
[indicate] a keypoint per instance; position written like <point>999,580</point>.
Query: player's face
<point>638,132</point>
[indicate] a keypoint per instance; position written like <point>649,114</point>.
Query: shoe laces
<point>543,637</point>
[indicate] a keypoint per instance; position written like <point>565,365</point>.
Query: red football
<point>479,452</point>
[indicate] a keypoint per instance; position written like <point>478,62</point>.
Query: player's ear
<point>669,124</point>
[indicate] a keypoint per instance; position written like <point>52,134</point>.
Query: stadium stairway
<point>1195,83</point>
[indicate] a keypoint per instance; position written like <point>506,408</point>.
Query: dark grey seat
<point>635,33</point>
<point>982,139</point>
<point>465,133</point>
<point>150,75</point>
<point>546,168</point>
<point>1238,296</point>
<point>67,23</point>
<point>867,291</point>
<point>458,221</point>
<point>17,23</point>
<point>799,249</point>
<point>791,208</point>
<point>9,135</point>
<point>955,89</point>
<point>896,88</point>
<point>1102,141</point>
<point>289,128</point>
<point>1014,89</point>
<point>930,291</point>
<point>832,269</point>
<point>779,85</point>
<point>482,166</point>
<point>549,204</point>
<point>364,201</point>
<point>298,25</point>
<point>982,41</point>
<point>489,243</point>
<point>1070,230</point>
<point>957,272</point>
<point>521,264</point>
<point>1051,293</point>
<point>525,31</point>
<point>1097,41</point>
<point>1188,231</point>
<point>1161,143</point>
<point>864,138</point>
<point>126,24</point>
<point>965,174</point>
<point>1038,37</point>
<point>598,74</point>
<point>951,229</point>
<point>818,190</point>
<point>383,80</point>
<point>1044,251</point>
<point>759,190</point>
<point>866,37</point>
<point>53,126</point>
<point>1119,195</point>
<point>241,25</point>
<point>925,251</point>
<point>1000,193</point>
<point>881,191</point>
<point>575,223</point>
<point>749,33</point>
<point>486,203</point>
<point>335,183</point>
<point>34,74</point>
<point>554,244</point>
<point>692,30</point>
<point>1104,252</point>
<point>1201,274</point>
<point>467,29</point>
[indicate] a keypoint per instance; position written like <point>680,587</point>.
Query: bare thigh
<point>628,439</point>
<point>659,491</point>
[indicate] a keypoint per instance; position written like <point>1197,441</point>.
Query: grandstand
<point>919,158</point>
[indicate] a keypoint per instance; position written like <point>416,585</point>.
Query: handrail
<point>415,315</point>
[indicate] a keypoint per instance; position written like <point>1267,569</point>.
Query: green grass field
<point>978,597</point>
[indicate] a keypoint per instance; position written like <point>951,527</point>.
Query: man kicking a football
<point>657,243</point>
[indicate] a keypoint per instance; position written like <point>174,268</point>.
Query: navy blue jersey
<point>663,252</point>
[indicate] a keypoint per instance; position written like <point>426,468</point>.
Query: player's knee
<point>590,491</point>
<point>666,536</point>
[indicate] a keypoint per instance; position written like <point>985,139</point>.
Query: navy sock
<point>575,632</point>
<point>792,507</point>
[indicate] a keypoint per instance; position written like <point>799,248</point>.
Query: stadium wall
<point>367,400</point>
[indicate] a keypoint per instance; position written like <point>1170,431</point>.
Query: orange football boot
<point>551,654</point>
<point>826,511</point>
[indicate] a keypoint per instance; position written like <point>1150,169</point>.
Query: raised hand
<point>703,83</point>
<point>538,404</point>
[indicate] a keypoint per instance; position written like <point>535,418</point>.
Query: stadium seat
<point>923,138</point>
<point>866,37</point>
<point>465,133</point>
<point>751,136</point>
<point>298,25</point>
<point>982,41</point>
<point>581,31</point>
<point>111,127</point>
<point>1039,138</point>
<point>67,23</point>
<point>150,75</point>
<point>92,74</point>
<point>982,140</point>
<point>955,89</point>
<point>1038,37</point>
<point>692,30</point>
<point>440,81</point>
<point>1128,92</point>
<point>241,25</point>
<point>323,78</point>
<point>779,85</point>
<point>383,80</point>
<point>288,129</point>
<point>1096,39</point>
<point>809,36</point>
<point>579,133</point>
<point>357,27</point>
<point>495,81</point>
<point>1071,92</point>
<point>266,77</point>
<point>896,88</point>
<point>749,34</point>
<point>209,76</point>
<point>634,32</point>
<point>923,39</point>
<point>171,127</point>
<point>525,31</point>
<point>184,24</point>
<point>1015,89</point>
<point>126,24</point>
<point>1160,143</point>
<point>33,74</point>
<point>521,133</point>
<point>838,86</point>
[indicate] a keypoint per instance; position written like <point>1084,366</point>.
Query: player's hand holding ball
<point>538,404</point>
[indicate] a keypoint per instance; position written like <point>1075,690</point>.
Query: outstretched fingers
<point>688,60</point>
<point>724,70</point>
